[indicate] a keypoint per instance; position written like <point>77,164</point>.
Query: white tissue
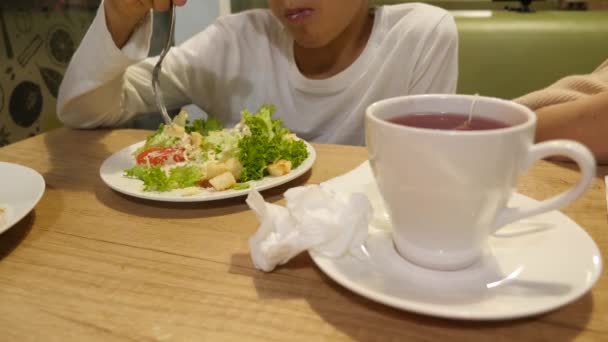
<point>315,218</point>
<point>361,179</point>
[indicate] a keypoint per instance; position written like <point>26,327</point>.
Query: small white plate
<point>21,188</point>
<point>112,173</point>
<point>530,267</point>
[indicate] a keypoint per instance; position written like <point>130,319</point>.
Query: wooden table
<point>91,264</point>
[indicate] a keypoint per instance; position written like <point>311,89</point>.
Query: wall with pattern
<point>37,40</point>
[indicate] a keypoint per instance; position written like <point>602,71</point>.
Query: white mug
<point>446,191</point>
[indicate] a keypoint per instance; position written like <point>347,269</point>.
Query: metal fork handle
<point>158,94</point>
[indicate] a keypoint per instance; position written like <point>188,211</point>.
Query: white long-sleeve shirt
<point>245,60</point>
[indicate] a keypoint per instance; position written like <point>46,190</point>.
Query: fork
<point>158,95</point>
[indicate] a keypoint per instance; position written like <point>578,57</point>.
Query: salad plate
<point>22,188</point>
<point>203,161</point>
<point>112,173</point>
<point>528,268</point>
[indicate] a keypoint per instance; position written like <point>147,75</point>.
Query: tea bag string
<point>472,108</point>
<point>467,124</point>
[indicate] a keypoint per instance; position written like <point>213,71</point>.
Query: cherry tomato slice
<point>159,155</point>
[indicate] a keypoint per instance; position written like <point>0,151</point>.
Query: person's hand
<point>122,16</point>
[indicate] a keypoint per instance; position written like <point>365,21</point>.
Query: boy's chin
<point>309,38</point>
<point>311,43</point>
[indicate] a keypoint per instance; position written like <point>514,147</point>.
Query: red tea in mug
<point>447,121</point>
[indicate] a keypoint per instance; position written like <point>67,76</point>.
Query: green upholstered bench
<point>508,54</point>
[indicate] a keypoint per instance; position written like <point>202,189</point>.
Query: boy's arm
<point>437,68</point>
<point>107,86</point>
<point>91,93</point>
<point>584,120</point>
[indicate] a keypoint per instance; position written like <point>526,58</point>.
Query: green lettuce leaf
<point>241,186</point>
<point>267,143</point>
<point>204,127</point>
<point>185,176</point>
<point>224,143</point>
<point>155,179</point>
<point>181,119</point>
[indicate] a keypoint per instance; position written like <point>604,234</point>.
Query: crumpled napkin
<point>316,218</point>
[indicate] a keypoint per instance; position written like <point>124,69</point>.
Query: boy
<point>320,62</point>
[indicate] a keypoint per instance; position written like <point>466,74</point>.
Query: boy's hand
<point>122,16</point>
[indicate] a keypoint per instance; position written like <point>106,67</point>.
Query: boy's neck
<point>339,54</point>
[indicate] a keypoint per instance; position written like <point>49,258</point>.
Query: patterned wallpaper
<point>37,40</point>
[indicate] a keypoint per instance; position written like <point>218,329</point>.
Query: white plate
<point>531,267</point>
<point>112,173</point>
<point>20,190</point>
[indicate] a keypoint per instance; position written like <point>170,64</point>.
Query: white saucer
<point>529,268</point>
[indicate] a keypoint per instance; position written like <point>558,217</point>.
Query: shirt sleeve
<point>436,71</point>
<point>567,89</point>
<point>107,86</point>
<point>91,91</point>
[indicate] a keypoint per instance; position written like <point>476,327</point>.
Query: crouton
<point>215,169</point>
<point>196,139</point>
<point>280,168</point>
<point>235,167</point>
<point>175,131</point>
<point>223,182</point>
